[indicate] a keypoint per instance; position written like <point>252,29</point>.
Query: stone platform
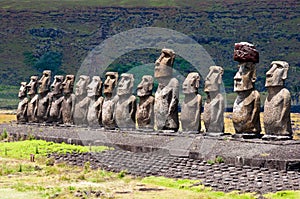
<point>279,155</point>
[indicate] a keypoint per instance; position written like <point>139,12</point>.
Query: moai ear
<point>253,79</point>
<point>197,81</point>
<point>285,72</point>
<point>221,72</point>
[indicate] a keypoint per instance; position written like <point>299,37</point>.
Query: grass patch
<point>283,194</point>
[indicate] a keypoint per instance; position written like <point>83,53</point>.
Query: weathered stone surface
<point>33,97</point>
<point>125,108</point>
<point>95,101</point>
<point>191,106</point>
<point>145,112</point>
<point>166,96</point>
<point>246,108</point>
<point>213,114</point>
<point>108,107</point>
<point>277,120</point>
<point>245,52</point>
<point>82,103</point>
<point>68,103</point>
<point>22,106</point>
<point>56,100</point>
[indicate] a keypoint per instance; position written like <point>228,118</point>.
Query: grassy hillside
<point>36,35</point>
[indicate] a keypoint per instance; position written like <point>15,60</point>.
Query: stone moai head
<point>44,82</point>
<point>81,86</point>
<point>111,80</point>
<point>125,84</point>
<point>247,56</point>
<point>56,86</point>
<point>164,64</point>
<point>23,90</point>
<point>68,84</point>
<point>191,83</point>
<point>145,86</point>
<point>32,85</point>
<point>277,74</point>
<point>94,88</point>
<point>214,79</point>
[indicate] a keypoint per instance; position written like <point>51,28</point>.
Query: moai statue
<point>82,103</point>
<point>145,113</point>
<point>33,98</point>
<point>246,108</point>
<point>277,120</point>
<point>56,98</point>
<point>167,94</point>
<point>68,103</point>
<point>95,101</point>
<point>213,114</point>
<point>22,106</point>
<point>125,108</point>
<point>191,106</point>
<point>106,115</point>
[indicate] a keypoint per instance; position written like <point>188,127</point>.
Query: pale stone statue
<point>107,111</point>
<point>22,106</point>
<point>277,120</point>
<point>33,97</point>
<point>82,103</point>
<point>125,108</point>
<point>246,108</point>
<point>213,114</point>
<point>68,103</point>
<point>166,96</point>
<point>56,99</point>
<point>95,101</point>
<point>191,106</point>
<point>145,112</point>
<point>43,97</point>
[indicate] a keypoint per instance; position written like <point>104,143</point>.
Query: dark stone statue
<point>108,107</point>
<point>125,108</point>
<point>166,96</point>
<point>246,108</point>
<point>22,106</point>
<point>82,103</point>
<point>191,106</point>
<point>68,102</point>
<point>33,98</point>
<point>277,120</point>
<point>213,114</point>
<point>145,112</point>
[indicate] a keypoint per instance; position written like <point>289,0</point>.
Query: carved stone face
<point>81,86</point>
<point>68,84</point>
<point>244,79</point>
<point>32,85</point>
<point>213,79</point>
<point>22,90</point>
<point>110,82</point>
<point>94,88</point>
<point>125,85</point>
<point>164,64</point>
<point>277,74</point>
<point>191,83</point>
<point>44,82</point>
<point>145,86</point>
<point>56,86</point>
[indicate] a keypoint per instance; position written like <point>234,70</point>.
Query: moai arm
<point>73,105</point>
<point>175,93</point>
<point>284,116</point>
<point>220,108</point>
<point>256,108</point>
<point>197,118</point>
<point>132,108</point>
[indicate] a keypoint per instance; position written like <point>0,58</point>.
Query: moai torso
<point>43,97</point>
<point>56,99</point>
<point>22,106</point>
<point>125,108</point>
<point>166,96</point>
<point>107,110</point>
<point>277,120</point>
<point>246,108</point>
<point>145,113</point>
<point>191,106</point>
<point>33,97</point>
<point>68,100</point>
<point>213,113</point>
<point>82,103</point>
<point>94,114</point>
